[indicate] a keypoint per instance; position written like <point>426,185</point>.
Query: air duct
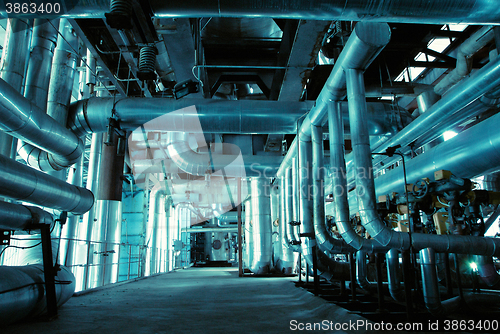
<point>261,229</point>
<point>362,47</point>
<point>22,292</point>
<point>365,189</point>
<point>20,182</point>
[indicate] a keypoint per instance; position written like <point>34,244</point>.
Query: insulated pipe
<point>430,286</point>
<point>248,233</point>
<point>362,272</point>
<point>394,276</point>
<point>467,49</point>
<point>306,205</point>
<point>261,221</point>
<point>215,116</point>
<point>25,121</point>
<point>13,66</point>
<point>428,12</point>
<point>365,188</point>
<point>23,294</point>
<point>15,217</point>
<point>362,47</point>
<point>325,241</point>
<point>487,270</point>
<point>20,182</point>
<point>480,82</point>
<point>199,164</point>
<point>228,229</point>
<point>40,63</point>
<point>287,258</point>
<point>156,210</point>
<point>63,73</point>
<point>339,185</point>
<point>291,240</point>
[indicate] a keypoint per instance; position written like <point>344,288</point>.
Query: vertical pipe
<point>286,248</point>
<point>108,212</point>
<point>290,212</point>
<point>248,233</point>
<point>262,230</point>
<point>240,236</point>
<point>430,281</point>
<point>393,275</point>
<point>13,65</point>
<point>305,199</point>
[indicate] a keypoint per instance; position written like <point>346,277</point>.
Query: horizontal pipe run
<point>20,182</point>
<point>229,229</point>
<point>20,217</point>
<point>427,12</point>
<point>215,116</point>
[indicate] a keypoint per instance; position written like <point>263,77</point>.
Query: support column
<point>107,229</point>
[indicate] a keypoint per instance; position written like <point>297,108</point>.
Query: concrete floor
<point>195,300</point>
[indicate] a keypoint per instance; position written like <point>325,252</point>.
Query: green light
<point>473,266</point>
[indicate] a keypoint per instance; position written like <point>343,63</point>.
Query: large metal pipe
<point>287,258</point>
<point>362,272</point>
<point>248,234</point>
<point>15,217</point>
<point>25,121</point>
<point>156,210</point>
<point>339,185</point>
<point>430,286</point>
<point>20,182</point>
<point>22,292</point>
<point>362,47</point>
<point>473,44</point>
<point>306,204</point>
<point>215,116</point>
<point>291,239</point>
<point>261,229</point>
<point>326,242</point>
<point>430,12</point>
<point>426,126</point>
<point>13,66</point>
<point>394,275</point>
<point>365,189</point>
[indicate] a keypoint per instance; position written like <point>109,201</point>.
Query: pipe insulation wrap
<point>262,225</point>
<point>22,291</point>
<point>20,182</point>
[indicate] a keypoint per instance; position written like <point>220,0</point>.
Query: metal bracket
<point>293,223</point>
<point>5,237</point>
<point>295,242</point>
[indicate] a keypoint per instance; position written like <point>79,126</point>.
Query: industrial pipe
<point>22,292</point>
<point>287,258</point>
<point>261,229</point>
<point>365,43</point>
<point>291,240</point>
<point>20,182</point>
<point>365,189</point>
<point>394,275</point>
<point>15,217</point>
<point>214,116</point>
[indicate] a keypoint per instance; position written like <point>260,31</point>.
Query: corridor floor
<point>195,300</point>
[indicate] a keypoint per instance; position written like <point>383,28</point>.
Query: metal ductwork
<point>22,217</point>
<point>20,182</point>
<point>261,225</point>
<point>362,47</point>
<point>22,292</point>
<point>25,121</point>
<point>365,189</point>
